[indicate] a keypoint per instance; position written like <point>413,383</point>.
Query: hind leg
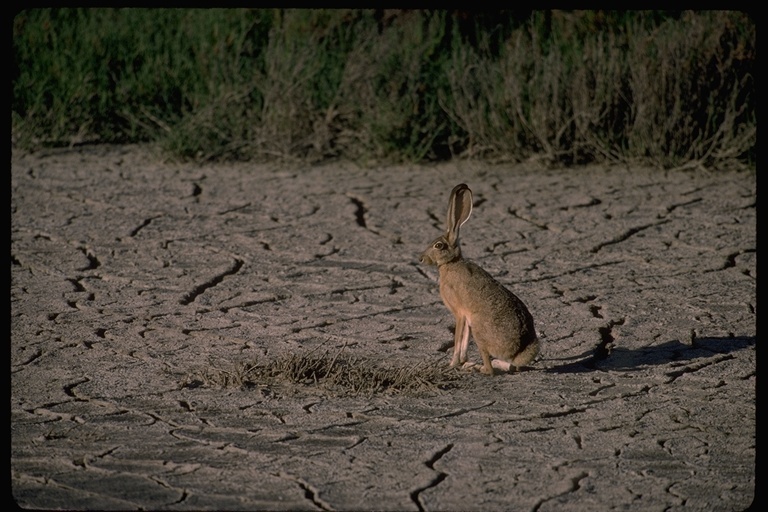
<point>500,364</point>
<point>487,365</point>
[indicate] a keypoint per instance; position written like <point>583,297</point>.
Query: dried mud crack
<point>190,297</point>
<point>437,480</point>
<point>237,336</point>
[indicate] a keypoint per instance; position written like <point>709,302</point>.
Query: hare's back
<point>496,308</point>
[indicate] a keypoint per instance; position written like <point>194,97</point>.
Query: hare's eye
<point>439,246</point>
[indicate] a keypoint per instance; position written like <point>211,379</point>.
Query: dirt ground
<point>143,293</point>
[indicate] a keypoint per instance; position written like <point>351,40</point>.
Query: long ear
<point>459,209</point>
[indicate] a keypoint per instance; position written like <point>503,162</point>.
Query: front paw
<point>471,367</point>
<point>457,360</point>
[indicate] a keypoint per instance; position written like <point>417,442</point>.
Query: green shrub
<point>569,87</point>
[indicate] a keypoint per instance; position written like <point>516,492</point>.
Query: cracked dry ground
<point>128,275</point>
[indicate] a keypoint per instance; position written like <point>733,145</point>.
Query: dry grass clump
<point>334,373</point>
<point>238,376</point>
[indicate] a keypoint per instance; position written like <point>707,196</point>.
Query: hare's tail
<point>528,356</point>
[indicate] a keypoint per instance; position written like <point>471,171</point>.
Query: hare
<point>500,323</point>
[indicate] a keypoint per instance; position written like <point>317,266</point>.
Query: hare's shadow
<point>672,351</point>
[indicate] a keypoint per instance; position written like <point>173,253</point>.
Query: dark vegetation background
<point>661,88</point>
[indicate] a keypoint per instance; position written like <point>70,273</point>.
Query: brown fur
<point>498,320</point>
